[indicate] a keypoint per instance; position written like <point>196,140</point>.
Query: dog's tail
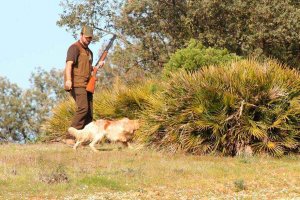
<point>73,131</point>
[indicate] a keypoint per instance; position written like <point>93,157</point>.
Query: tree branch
<point>109,32</point>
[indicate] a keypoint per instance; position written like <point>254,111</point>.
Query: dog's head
<point>72,131</point>
<point>130,127</point>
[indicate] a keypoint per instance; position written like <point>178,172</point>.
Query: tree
<point>23,111</point>
<point>267,28</point>
<point>14,112</point>
<point>45,92</point>
<point>156,29</point>
<point>97,13</point>
<point>148,45</point>
<point>263,28</point>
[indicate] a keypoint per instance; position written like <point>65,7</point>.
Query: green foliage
<point>54,127</point>
<point>264,28</point>
<point>124,100</point>
<point>46,90</point>
<point>23,111</point>
<point>15,111</point>
<point>96,13</point>
<point>158,28</point>
<point>227,109</point>
<point>139,25</point>
<point>155,29</point>
<point>195,56</point>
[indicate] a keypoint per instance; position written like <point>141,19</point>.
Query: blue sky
<point>30,38</point>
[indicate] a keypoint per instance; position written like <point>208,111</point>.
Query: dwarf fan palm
<point>227,108</point>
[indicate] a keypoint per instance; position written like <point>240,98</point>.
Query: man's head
<point>86,35</point>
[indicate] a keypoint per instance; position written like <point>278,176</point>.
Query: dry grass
<point>55,171</point>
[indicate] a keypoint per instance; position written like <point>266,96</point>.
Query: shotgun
<point>92,82</point>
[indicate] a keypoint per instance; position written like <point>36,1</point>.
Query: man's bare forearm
<point>68,70</point>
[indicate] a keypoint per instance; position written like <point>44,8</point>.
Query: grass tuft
<point>103,182</point>
<point>59,175</point>
<point>239,185</point>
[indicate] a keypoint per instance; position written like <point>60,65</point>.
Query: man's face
<point>86,40</point>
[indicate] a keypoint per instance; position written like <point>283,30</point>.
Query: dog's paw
<point>94,149</point>
<point>69,142</point>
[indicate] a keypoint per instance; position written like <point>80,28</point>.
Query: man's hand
<point>68,85</point>
<point>101,63</point>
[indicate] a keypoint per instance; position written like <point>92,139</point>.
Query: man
<point>77,74</point>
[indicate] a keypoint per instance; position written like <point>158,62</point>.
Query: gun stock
<point>92,82</point>
<point>91,85</point>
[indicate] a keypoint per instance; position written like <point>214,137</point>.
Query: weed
<point>239,185</point>
<point>3,182</point>
<point>57,176</point>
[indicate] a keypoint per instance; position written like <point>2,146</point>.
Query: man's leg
<point>89,117</point>
<point>81,98</point>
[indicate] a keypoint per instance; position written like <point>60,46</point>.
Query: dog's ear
<point>106,124</point>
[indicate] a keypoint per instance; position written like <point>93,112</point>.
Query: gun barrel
<point>92,82</point>
<point>104,54</point>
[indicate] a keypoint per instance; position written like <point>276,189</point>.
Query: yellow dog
<point>119,130</point>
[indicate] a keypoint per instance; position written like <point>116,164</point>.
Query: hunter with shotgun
<point>80,76</point>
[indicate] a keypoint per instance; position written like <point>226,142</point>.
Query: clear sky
<point>30,38</point>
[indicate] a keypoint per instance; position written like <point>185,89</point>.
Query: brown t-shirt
<point>73,53</point>
<point>82,58</point>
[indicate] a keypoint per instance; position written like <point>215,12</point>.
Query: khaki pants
<point>84,111</point>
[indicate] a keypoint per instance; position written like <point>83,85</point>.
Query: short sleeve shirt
<point>73,53</point>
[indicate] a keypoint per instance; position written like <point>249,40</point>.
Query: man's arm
<point>68,70</point>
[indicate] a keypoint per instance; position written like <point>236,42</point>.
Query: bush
<point>227,110</point>
<point>124,100</point>
<point>196,56</point>
<point>117,102</point>
<point>56,126</point>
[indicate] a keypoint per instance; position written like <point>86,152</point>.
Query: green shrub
<point>227,110</point>
<point>195,56</point>
<point>124,100</point>
<point>56,126</point>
